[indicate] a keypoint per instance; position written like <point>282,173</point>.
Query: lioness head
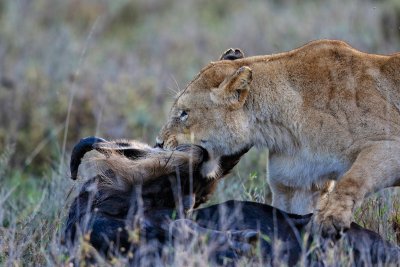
<point>211,110</point>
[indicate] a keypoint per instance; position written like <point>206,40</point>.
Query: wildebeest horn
<point>80,149</point>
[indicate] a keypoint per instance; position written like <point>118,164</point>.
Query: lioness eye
<point>183,115</point>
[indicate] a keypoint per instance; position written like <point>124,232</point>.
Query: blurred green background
<point>70,69</point>
<point>118,63</point>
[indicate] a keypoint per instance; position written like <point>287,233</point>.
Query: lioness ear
<point>232,54</point>
<point>234,89</point>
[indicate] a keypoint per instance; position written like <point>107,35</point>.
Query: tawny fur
<point>327,112</point>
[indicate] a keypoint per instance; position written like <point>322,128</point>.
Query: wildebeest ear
<point>232,54</point>
<point>227,162</point>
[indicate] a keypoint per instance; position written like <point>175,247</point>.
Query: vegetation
<point>70,69</point>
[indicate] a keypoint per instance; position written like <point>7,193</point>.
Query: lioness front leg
<point>293,199</point>
<point>376,167</point>
<point>281,195</point>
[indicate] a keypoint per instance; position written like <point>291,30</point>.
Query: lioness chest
<point>305,169</point>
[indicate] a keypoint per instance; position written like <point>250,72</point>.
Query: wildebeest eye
<point>183,116</point>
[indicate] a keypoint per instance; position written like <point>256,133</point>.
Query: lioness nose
<point>159,143</point>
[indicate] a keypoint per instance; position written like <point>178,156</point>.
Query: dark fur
<point>119,214</point>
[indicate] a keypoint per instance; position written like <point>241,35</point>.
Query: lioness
<point>329,115</point>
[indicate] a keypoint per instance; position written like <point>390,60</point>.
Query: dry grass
<point>70,69</point>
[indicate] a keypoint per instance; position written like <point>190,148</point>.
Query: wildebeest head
<point>124,164</point>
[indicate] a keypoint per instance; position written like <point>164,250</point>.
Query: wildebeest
<point>141,201</point>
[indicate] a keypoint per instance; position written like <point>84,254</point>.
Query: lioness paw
<point>330,226</point>
<point>333,220</point>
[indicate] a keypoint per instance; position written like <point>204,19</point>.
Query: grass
<point>69,69</point>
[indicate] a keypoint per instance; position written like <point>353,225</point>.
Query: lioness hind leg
<point>376,167</point>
